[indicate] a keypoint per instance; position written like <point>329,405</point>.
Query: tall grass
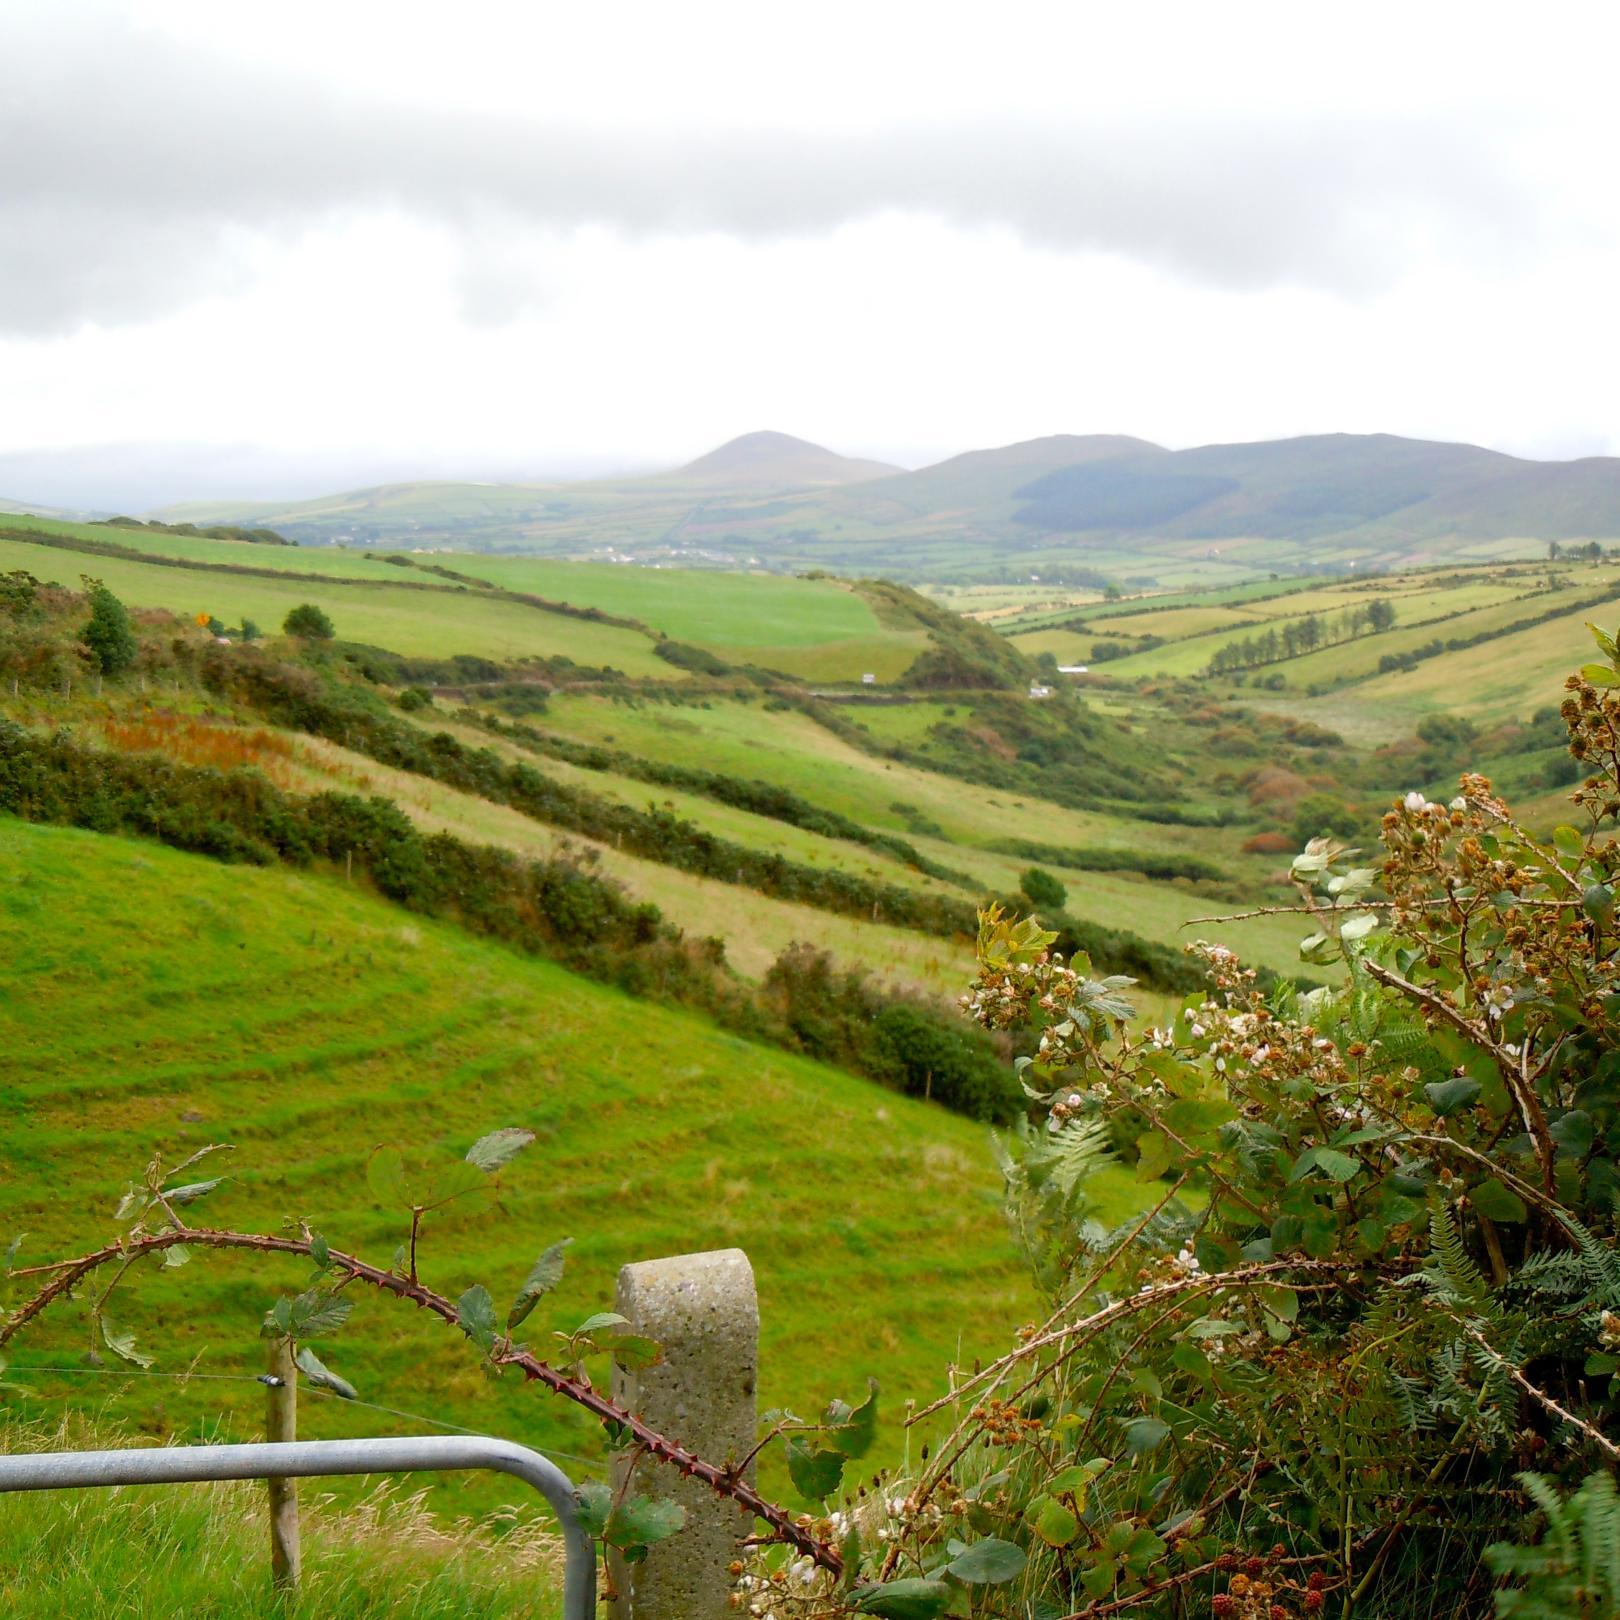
<point>144,1552</point>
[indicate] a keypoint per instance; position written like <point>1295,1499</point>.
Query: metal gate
<point>309,1459</point>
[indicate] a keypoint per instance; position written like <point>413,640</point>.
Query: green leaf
<point>1574,1133</point>
<point>1142,1550</point>
<point>122,1343</point>
<point>988,1563</point>
<point>11,1251</point>
<point>1278,1301</point>
<point>544,1275</point>
<point>852,1429</point>
<point>319,1250</point>
<point>1336,1166</point>
<point>385,1177</point>
<point>909,1599</point>
<point>1447,1096</point>
<point>642,1521</point>
<point>1075,1480</point>
<point>322,1376</point>
<point>1153,1154</point>
<point>278,1320</point>
<point>632,1351</point>
<point>1568,842</point>
<point>453,1179</point>
<point>602,1319</point>
<point>192,1191</point>
<point>1599,675</point>
<point>595,1502</point>
<point>1144,1434</point>
<point>1496,1202</point>
<point>175,1256</point>
<point>816,1473</point>
<point>1191,1115</point>
<point>850,1550</point>
<point>475,1310</point>
<point>600,1334</point>
<point>318,1313</point>
<point>1597,901</point>
<point>499,1147</point>
<point>1188,1358</point>
<point>1359,926</point>
<point>1098,1578</point>
<point>1053,1521</point>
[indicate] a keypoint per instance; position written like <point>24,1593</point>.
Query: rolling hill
<point>773,461</point>
<point>1091,508</point>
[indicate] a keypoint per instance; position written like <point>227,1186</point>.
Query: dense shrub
<point>108,634</point>
<point>841,1016</point>
<point>1368,1367</point>
<point>1269,843</point>
<point>309,621</point>
<point>1099,858</point>
<point>1042,890</point>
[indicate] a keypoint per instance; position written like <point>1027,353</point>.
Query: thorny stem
<point>1516,1075</point>
<point>1199,1283</point>
<point>724,1481</point>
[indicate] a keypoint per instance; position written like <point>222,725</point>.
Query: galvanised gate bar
<point>309,1459</point>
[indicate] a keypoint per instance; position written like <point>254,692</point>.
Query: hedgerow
<point>558,907</point>
<point>1358,1354</point>
<point>298,698</point>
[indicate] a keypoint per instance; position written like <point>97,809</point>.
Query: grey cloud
<point>126,165</point>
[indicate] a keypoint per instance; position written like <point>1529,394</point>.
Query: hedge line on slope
<point>554,908</point>
<point>298,699</point>
<point>758,798</point>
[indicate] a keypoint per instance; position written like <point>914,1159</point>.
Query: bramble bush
<point>1356,1356</point>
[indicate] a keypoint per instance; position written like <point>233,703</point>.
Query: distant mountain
<point>981,479</point>
<point>1284,488</point>
<point>1088,506</point>
<point>772,461</point>
<point>36,509</point>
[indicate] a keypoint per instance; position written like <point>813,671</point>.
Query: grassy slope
<point>816,629</point>
<point>710,608</point>
<point>756,927</point>
<point>166,999</point>
<point>794,750</point>
<point>406,620</point>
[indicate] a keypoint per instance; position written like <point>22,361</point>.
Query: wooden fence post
<point>703,1310</point>
<point>281,1423</point>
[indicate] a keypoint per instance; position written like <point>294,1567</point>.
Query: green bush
<point>1042,890</point>
<point>108,634</point>
<point>308,622</point>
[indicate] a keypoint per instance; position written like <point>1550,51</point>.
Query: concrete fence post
<point>703,1310</point>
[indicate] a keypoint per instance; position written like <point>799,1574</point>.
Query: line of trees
<point>1300,636</point>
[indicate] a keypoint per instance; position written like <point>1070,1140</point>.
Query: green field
<point>411,620</point>
<point>163,999</point>
<point>1515,666</point>
<point>711,608</point>
<point>818,630</point>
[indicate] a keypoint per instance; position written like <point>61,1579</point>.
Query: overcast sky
<point>288,248</point>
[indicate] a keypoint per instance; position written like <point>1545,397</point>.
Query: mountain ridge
<point>1097,503</point>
